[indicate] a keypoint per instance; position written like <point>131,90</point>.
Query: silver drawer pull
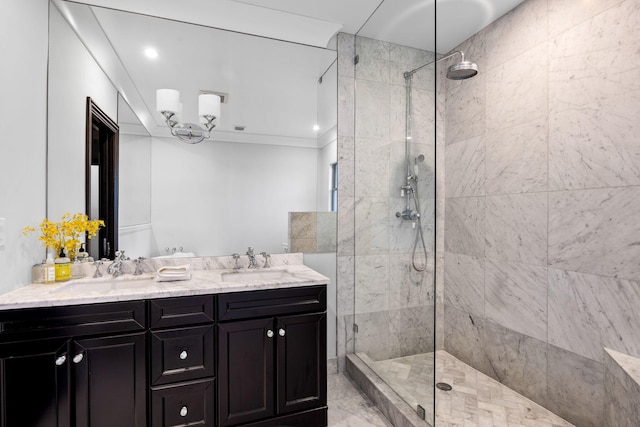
<point>60,360</point>
<point>281,332</point>
<point>183,355</point>
<point>183,411</point>
<point>269,333</point>
<point>78,358</point>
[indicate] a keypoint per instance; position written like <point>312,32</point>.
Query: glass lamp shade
<point>167,100</point>
<point>209,105</point>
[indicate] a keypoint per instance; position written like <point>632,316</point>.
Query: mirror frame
<point>108,163</point>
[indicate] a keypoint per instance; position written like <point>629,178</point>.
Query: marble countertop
<point>209,276</point>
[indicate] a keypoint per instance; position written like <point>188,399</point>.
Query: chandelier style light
<point>168,104</point>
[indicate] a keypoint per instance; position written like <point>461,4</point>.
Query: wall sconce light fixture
<point>168,104</point>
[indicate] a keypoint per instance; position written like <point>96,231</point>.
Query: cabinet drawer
<point>182,354</point>
<point>276,302</point>
<point>170,312</point>
<point>68,321</point>
<point>185,404</point>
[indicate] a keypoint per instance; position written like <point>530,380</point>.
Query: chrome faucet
<point>267,260</point>
<point>252,258</point>
<point>236,258</point>
<point>115,268</point>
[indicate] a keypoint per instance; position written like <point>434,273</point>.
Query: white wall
<point>73,75</point>
<point>219,198</point>
<point>23,108</point>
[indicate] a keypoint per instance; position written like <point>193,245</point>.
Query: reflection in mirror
<point>217,197</point>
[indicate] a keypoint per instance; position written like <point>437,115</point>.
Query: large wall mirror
<point>265,159</point>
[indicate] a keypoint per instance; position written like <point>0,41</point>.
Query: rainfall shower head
<point>462,70</point>
<point>459,71</point>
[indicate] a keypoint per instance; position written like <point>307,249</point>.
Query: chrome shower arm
<point>409,74</point>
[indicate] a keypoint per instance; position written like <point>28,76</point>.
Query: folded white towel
<point>176,272</point>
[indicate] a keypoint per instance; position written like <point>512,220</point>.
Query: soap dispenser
<point>49,270</point>
<point>63,267</point>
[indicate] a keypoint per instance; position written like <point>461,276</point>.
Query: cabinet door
<point>110,381</point>
<point>245,371</point>
<point>302,362</point>
<point>34,384</point>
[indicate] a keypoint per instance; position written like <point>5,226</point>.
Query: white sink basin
<point>107,283</point>
<point>252,276</point>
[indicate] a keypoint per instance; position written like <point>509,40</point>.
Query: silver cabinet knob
<point>60,360</point>
<point>270,333</point>
<point>183,355</point>
<point>78,358</point>
<point>183,411</point>
<point>281,332</point>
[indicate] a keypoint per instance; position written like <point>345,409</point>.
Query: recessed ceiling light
<point>151,53</point>
<point>316,128</point>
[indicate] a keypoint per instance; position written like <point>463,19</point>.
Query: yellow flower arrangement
<point>66,234</point>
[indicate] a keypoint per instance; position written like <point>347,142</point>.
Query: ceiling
<point>315,22</point>
<point>272,85</point>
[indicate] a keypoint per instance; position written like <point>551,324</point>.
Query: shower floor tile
<point>349,407</point>
<point>476,399</point>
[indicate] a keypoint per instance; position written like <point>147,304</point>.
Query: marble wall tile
<point>464,339</point>
<point>397,111</point>
<point>302,225</point>
<point>345,338</point>
<point>372,168</point>
<point>403,233</point>
<point>596,231</point>
<point>346,166</point>
<point>464,229</point>
<point>586,67</point>
<point>346,53</point>
<point>465,112</point>
<point>516,228</point>
<point>373,60</point>
<point>517,31</point>
<point>346,225</point>
<point>465,166</point>
<point>596,145</point>
<point>372,226</point>
<point>327,231</point>
<point>346,289</point>
<point>346,108</point>
<point>564,14</point>
<point>423,116</point>
<point>588,313</point>
<point>517,361</point>
<point>371,283</point>
<point>575,387</point>
<point>516,297</point>
<point>372,114</point>
<point>517,90</point>
<point>464,281</point>
<point>407,286</point>
<point>622,404</point>
<point>516,159</point>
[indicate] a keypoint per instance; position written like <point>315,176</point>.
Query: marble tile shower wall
<point>377,288</point>
<point>543,201</point>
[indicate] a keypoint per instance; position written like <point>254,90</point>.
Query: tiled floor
<point>348,407</point>
<point>476,399</point>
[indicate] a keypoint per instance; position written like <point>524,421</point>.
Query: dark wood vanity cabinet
<point>249,358</point>
<point>71,366</point>
<point>272,358</point>
<point>182,361</point>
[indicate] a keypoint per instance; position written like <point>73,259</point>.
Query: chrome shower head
<point>462,70</point>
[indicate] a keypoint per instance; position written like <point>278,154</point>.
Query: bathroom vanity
<point>218,350</point>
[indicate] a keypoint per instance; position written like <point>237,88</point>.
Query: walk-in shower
<point>395,221</point>
<point>409,190</point>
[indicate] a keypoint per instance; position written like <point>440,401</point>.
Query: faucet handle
<point>139,269</point>
<point>98,273</point>
<point>250,251</point>
<point>236,257</point>
<point>266,259</point>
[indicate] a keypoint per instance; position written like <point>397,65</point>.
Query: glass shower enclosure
<point>395,199</point>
